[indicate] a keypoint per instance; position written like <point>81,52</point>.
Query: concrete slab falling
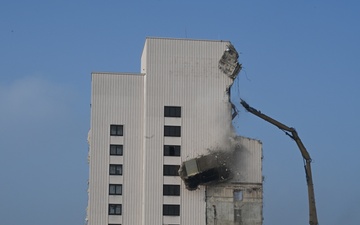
<point>229,64</point>
<point>206,169</point>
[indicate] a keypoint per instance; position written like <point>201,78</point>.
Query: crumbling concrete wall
<point>239,201</point>
<point>234,204</point>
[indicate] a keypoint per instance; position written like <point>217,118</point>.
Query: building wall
<point>116,99</point>
<point>174,72</point>
<point>182,73</point>
<point>240,200</point>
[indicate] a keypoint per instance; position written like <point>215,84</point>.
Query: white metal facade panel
<point>172,180</point>
<point>116,99</point>
<point>182,73</point>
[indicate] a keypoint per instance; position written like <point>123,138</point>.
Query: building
<point>143,126</point>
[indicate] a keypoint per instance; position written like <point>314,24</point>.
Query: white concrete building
<point>143,126</point>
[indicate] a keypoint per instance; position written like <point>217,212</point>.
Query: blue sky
<point>300,62</point>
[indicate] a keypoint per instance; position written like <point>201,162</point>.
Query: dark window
<point>171,210</point>
<point>116,150</point>
<point>171,150</point>
<point>115,169</point>
<point>171,170</point>
<point>172,131</point>
<point>173,190</point>
<point>115,189</point>
<point>116,130</point>
<point>115,209</point>
<point>172,111</point>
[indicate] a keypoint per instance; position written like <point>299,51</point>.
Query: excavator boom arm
<point>281,126</point>
<point>291,132</point>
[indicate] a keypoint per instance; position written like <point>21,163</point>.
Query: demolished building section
<point>239,200</point>
<point>233,180</point>
<point>174,113</point>
<point>232,175</point>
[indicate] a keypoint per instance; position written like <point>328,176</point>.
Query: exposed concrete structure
<point>143,126</point>
<point>239,201</point>
<point>234,204</point>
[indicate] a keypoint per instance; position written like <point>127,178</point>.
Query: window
<point>171,150</point>
<point>171,170</point>
<point>238,195</point>
<point>172,111</point>
<point>116,150</point>
<point>115,169</point>
<point>171,210</point>
<point>172,131</point>
<point>115,189</point>
<point>171,190</point>
<point>115,209</point>
<point>116,130</point>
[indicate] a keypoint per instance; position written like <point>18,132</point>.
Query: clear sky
<point>301,66</point>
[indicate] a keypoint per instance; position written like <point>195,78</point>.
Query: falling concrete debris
<point>206,169</point>
<point>229,64</point>
<point>234,111</point>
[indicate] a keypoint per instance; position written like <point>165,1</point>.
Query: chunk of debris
<point>229,64</point>
<point>205,170</point>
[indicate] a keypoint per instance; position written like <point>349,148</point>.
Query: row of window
<point>169,131</point>
<point>169,170</point>
<point>168,189</point>
<point>169,111</point>
<point>116,169</point>
<point>168,210</point>
<point>169,150</point>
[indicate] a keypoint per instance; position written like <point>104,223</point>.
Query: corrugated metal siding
<point>182,73</point>
<point>116,99</point>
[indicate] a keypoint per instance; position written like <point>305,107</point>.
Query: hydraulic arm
<point>291,132</point>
